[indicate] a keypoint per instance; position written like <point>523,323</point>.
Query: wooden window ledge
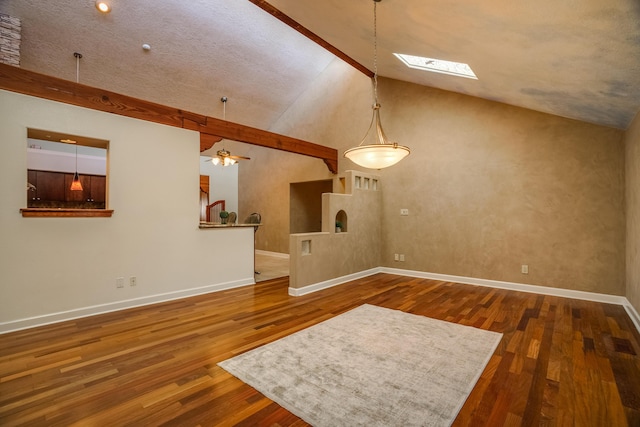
<point>62,212</point>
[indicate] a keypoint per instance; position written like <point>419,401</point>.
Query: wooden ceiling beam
<point>255,136</point>
<point>211,130</point>
<point>207,141</point>
<point>262,4</point>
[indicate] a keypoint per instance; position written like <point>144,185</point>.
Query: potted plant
<point>224,215</point>
<point>338,227</point>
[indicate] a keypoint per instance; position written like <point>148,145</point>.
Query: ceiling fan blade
<point>240,157</point>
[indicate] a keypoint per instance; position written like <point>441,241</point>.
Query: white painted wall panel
<point>54,268</point>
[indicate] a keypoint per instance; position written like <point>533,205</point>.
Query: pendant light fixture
<point>379,153</point>
<point>76,185</point>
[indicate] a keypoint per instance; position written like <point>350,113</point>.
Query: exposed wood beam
<point>212,126</point>
<point>211,130</point>
<point>207,141</point>
<point>312,36</point>
<point>42,86</point>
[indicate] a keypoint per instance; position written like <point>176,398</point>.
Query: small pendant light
<point>76,185</point>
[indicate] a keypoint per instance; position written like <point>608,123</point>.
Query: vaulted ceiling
<point>574,59</point>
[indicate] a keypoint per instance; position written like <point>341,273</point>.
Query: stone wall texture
<point>10,29</point>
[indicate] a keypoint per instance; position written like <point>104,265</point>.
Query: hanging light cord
<point>375,52</point>
<point>224,114</point>
<point>76,159</point>
<point>224,107</point>
<point>78,56</point>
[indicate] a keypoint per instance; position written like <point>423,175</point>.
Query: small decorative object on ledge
<point>224,215</point>
<point>338,227</point>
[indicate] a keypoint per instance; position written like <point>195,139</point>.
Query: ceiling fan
<point>223,157</point>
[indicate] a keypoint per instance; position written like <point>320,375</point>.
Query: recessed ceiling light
<point>103,7</point>
<point>437,65</point>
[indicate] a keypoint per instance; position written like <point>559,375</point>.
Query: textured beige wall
<point>263,186</point>
<point>632,175</point>
<point>336,109</point>
<point>305,205</point>
<point>489,186</point>
<point>339,254</point>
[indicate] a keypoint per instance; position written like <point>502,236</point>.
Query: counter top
<point>218,225</point>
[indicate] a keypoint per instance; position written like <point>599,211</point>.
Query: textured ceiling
<point>577,59</point>
<point>201,50</point>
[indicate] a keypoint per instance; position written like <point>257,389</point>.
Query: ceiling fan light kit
<point>223,157</point>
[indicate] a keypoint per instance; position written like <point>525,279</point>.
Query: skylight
<point>437,65</point>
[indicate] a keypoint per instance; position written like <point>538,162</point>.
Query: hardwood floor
<point>270,267</point>
<point>561,362</point>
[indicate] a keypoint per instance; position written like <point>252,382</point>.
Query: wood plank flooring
<point>561,362</point>
<point>270,267</point>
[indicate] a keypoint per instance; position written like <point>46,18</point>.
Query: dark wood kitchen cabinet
<point>49,187</point>
<point>53,190</point>
<point>99,188</point>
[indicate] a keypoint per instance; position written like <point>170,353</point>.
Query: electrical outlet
<point>133,281</point>
<point>525,269</point>
<point>120,282</point>
<point>396,257</point>
<point>404,212</point>
<point>401,257</point>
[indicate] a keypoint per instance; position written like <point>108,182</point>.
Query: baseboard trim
<point>31,322</point>
<point>274,254</point>
<point>63,316</point>
<point>633,314</point>
<point>297,292</point>
<point>522,287</point>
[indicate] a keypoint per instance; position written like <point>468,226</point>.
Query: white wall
<point>48,160</point>
<point>223,183</point>
<point>57,268</point>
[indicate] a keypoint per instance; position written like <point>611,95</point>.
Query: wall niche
<point>341,222</point>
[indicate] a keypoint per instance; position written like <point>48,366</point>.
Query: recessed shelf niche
<point>306,247</point>
<point>341,222</point>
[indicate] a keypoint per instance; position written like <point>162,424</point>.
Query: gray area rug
<point>371,366</point>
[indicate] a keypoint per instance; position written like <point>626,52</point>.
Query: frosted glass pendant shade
<point>381,154</point>
<point>377,156</point>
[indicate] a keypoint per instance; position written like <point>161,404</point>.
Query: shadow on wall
<point>305,205</point>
